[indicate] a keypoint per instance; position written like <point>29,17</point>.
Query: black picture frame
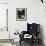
<point>21,14</point>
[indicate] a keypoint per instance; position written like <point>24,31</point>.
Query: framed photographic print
<point>21,14</point>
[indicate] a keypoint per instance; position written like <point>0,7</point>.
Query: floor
<point>6,44</point>
<point>22,44</point>
<point>27,44</point>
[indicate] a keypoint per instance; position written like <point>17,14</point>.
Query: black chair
<point>32,29</point>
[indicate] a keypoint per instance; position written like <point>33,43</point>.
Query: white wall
<point>3,1</point>
<point>35,13</point>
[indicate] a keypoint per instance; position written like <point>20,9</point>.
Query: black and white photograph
<point>22,22</point>
<point>21,14</point>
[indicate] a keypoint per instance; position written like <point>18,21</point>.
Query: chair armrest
<point>22,35</point>
<point>24,32</point>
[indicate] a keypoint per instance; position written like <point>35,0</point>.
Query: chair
<point>33,30</point>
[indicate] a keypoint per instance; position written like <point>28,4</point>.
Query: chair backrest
<point>33,28</point>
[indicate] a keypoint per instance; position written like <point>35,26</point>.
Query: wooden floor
<point>29,44</point>
<point>6,40</point>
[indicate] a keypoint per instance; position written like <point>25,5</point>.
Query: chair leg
<point>20,42</point>
<point>32,42</point>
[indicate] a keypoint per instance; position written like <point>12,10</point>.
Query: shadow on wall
<point>41,34</point>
